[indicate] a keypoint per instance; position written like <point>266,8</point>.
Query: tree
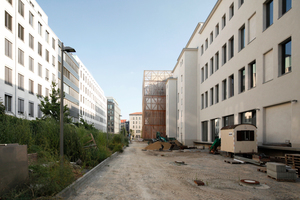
<point>2,108</point>
<point>50,106</point>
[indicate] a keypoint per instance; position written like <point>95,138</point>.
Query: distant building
<point>113,116</point>
<point>125,124</point>
<point>136,120</point>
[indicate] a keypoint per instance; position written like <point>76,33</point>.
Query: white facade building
<point>93,103</point>
<point>28,57</point>
<point>135,124</point>
<point>246,71</point>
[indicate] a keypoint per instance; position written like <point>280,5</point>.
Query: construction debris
<point>162,146</point>
<point>279,172</point>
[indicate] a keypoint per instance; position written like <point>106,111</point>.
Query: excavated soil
<point>137,174</point>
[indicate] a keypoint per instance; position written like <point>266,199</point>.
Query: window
<point>285,56</point>
<point>248,117</point>
<point>268,65</point>
<point>47,36</point>
<point>268,9</point>
<point>228,120</point>
<point>53,61</point>
<point>31,109</point>
<point>8,21</point>
<point>217,93</point>
<point>202,50</point>
<point>211,65</point>
<point>39,90</point>
<point>202,74</point>
<point>40,49</point>
<point>211,37</point>
<point>53,78</point>
<point>31,64</point>
<point>31,17</point>
<point>217,61</point>
<point>214,129</point>
<point>224,85</point>
<point>202,101</point>
<point>40,70</point>
<point>8,48</point>
<point>40,28</point>
<point>47,55</point>
<point>8,76</point>
<point>206,71</point>
<point>231,47</point>
<point>231,85</point>
<point>206,43</point>
<point>217,29</point>
<point>31,41</point>
<point>53,43</point>
<point>206,99</point>
<point>204,131</point>
<point>223,21</point>
<point>21,57</point>
<point>181,78</point>
<point>231,10</point>
<point>242,37</point>
<point>31,87</point>
<point>252,27</point>
<point>20,82</point>
<point>245,135</point>
<point>252,75</point>
<point>21,106</point>
<point>47,75</point>
<point>21,32</point>
<point>21,8</point>
<point>241,2</point>
<point>224,52</point>
<point>40,114</point>
<point>8,103</point>
<point>284,6</point>
<point>242,80</point>
<point>211,96</point>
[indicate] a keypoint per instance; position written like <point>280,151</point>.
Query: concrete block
<point>276,167</point>
<point>282,175</point>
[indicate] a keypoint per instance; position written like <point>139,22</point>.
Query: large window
<point>231,85</point>
<point>31,17</point>
<point>31,64</point>
<point>40,49</point>
<point>211,96</point>
<point>217,93</point>
<point>211,65</point>
<point>223,21</point>
<point>231,47</point>
<point>202,74</point>
<point>31,109</point>
<point>8,103</point>
<point>217,30</point>
<point>21,106</point>
<point>8,48</point>
<point>206,99</point>
<point>31,41</point>
<point>206,71</point>
<point>8,21</point>
<point>40,70</point>
<point>202,101</point>
<point>224,52</point>
<point>39,90</point>
<point>204,131</point>
<point>228,120</point>
<point>269,13</point>
<point>216,61</point>
<point>47,55</point>
<point>245,135</point>
<point>286,56</point>
<point>214,129</point>
<point>252,75</point>
<point>211,37</point>
<point>284,6</point>
<point>21,57</point>
<point>8,76</point>
<point>31,87</point>
<point>40,28</point>
<point>231,10</point>
<point>21,32</point>
<point>248,117</point>
<point>21,8</point>
<point>224,89</point>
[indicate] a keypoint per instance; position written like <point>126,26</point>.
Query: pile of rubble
<point>170,145</point>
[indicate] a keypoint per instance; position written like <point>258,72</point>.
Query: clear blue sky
<point>118,39</point>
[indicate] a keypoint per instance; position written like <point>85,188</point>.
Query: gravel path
<point>137,174</point>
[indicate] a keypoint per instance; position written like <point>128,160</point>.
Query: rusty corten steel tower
<point>154,102</point>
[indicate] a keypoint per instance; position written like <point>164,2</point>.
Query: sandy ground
<point>137,174</point>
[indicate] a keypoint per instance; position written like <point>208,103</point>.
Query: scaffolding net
<point>154,102</point>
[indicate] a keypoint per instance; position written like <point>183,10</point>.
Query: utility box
<point>13,166</point>
<point>240,138</point>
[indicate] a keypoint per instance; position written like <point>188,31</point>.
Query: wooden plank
<point>232,162</point>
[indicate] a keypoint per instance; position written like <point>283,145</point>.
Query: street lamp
<point>63,49</point>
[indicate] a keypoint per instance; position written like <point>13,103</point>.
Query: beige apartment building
<point>243,55</point>
<point>135,124</point>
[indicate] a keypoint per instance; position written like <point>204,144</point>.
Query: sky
<point>117,40</point>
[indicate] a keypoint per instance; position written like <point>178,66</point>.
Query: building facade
<point>28,57</point>
<point>113,116</point>
<point>93,103</point>
<point>125,125</point>
<point>246,73</point>
<point>135,124</point>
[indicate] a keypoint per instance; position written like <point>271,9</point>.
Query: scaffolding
<point>154,102</point>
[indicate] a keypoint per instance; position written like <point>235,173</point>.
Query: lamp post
<point>63,49</point>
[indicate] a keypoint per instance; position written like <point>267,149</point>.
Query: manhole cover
<point>250,182</point>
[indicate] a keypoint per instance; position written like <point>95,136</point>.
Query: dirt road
<point>137,174</point>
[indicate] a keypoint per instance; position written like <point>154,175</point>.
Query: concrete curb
<point>72,189</point>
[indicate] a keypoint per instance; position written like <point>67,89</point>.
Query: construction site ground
<point>138,174</point>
